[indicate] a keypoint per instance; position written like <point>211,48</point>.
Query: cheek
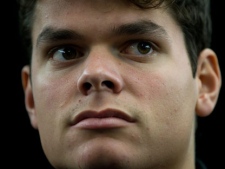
<point>165,102</point>
<point>52,94</point>
<point>166,97</point>
<point>45,94</point>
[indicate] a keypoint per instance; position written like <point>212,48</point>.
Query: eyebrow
<point>140,27</point>
<point>51,34</point>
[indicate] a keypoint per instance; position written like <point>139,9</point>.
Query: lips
<point>109,118</point>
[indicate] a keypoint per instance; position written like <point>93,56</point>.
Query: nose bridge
<point>101,72</point>
<point>98,60</point>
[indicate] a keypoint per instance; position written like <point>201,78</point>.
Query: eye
<point>65,53</point>
<point>138,48</point>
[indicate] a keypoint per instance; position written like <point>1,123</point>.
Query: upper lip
<point>107,113</point>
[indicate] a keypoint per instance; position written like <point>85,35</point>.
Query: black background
<point>21,145</point>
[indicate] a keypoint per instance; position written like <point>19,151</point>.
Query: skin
<point>156,90</point>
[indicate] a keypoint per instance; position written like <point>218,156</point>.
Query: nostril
<point>86,86</point>
<point>108,84</point>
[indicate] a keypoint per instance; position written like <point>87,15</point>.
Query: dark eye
<point>65,53</point>
<point>138,48</point>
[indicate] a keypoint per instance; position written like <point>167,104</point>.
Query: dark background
<point>21,146</point>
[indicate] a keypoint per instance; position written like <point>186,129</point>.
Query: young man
<point>118,84</point>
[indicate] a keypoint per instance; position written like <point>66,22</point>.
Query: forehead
<point>50,8</point>
<point>101,5</point>
<point>98,15</point>
<point>97,4</point>
<point>79,6</point>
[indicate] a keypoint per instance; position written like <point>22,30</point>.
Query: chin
<point>105,155</point>
<point>102,163</point>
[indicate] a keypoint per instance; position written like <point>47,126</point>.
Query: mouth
<point>106,119</point>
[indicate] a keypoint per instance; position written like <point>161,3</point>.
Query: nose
<point>100,74</point>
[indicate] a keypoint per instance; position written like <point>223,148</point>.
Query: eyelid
<point>57,48</point>
<point>77,53</point>
<point>131,42</point>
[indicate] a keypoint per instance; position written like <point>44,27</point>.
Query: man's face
<point>112,86</point>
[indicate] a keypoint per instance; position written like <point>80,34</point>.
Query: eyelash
<point>65,51</point>
<point>132,49</point>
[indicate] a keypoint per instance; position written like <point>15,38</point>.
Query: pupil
<point>68,53</point>
<point>144,47</point>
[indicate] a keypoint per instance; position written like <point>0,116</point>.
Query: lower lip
<point>102,123</point>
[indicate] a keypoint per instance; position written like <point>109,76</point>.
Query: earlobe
<point>28,94</point>
<point>209,79</point>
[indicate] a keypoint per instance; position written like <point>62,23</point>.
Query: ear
<point>209,79</point>
<point>28,93</point>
